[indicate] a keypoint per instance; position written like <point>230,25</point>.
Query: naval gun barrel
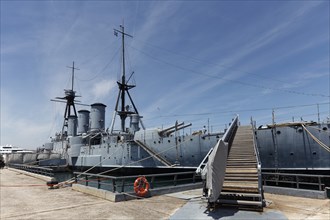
<point>161,133</point>
<point>172,129</point>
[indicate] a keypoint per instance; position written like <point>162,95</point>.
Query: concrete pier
<point>26,197</point>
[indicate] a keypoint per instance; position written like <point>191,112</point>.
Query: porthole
<point>278,132</point>
<point>169,141</point>
<point>325,128</point>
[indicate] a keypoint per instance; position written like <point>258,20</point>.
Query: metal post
<point>297,181</point>
<point>86,180</point>
<point>123,185</point>
<point>98,183</point>
<point>113,185</point>
<point>152,182</point>
<point>318,113</point>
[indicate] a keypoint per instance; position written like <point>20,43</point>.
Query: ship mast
<point>70,95</point>
<point>123,86</point>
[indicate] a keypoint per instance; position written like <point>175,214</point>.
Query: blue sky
<point>193,61</point>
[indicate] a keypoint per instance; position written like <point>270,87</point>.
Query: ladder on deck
<point>153,153</point>
<point>242,186</point>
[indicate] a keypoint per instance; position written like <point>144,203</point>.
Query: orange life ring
<point>141,186</point>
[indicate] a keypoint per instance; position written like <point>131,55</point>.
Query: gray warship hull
<point>152,148</point>
<point>294,147</point>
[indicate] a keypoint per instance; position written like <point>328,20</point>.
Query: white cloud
<point>102,88</point>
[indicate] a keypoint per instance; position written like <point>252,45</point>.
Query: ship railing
<point>256,151</point>
<point>33,169</point>
<point>126,183</point>
<point>298,181</point>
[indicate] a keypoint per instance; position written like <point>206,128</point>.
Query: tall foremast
<point>123,86</point>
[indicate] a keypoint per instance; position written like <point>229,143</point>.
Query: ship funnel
<point>83,121</point>
<point>72,125</point>
<point>134,124</point>
<point>97,117</point>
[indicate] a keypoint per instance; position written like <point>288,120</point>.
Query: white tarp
<point>216,170</point>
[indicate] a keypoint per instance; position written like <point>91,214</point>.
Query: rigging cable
<point>210,63</point>
<point>104,68</point>
<point>327,148</point>
<point>98,54</point>
<point>143,159</point>
<point>225,79</point>
<point>236,111</point>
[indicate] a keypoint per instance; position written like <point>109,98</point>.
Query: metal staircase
<point>242,184</point>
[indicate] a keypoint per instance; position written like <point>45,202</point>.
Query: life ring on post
<point>141,186</point>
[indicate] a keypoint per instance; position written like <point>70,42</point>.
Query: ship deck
<point>26,197</point>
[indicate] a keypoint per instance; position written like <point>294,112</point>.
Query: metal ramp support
<point>242,184</point>
<point>154,154</point>
<point>203,164</point>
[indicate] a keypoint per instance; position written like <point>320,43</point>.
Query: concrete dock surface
<point>26,197</point>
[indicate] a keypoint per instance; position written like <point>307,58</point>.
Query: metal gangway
<point>232,170</point>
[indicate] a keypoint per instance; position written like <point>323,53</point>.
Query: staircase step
<point>240,202</point>
<point>232,194</point>
<point>239,175</point>
<point>240,189</point>
<point>241,178</point>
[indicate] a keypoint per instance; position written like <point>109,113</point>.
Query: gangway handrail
<point>228,134</point>
<point>256,151</point>
<point>201,169</point>
<point>201,166</point>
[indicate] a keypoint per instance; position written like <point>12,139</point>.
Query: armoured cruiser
<point>84,142</point>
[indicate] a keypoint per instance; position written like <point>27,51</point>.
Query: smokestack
<point>72,125</point>
<point>97,117</point>
<point>83,121</point>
